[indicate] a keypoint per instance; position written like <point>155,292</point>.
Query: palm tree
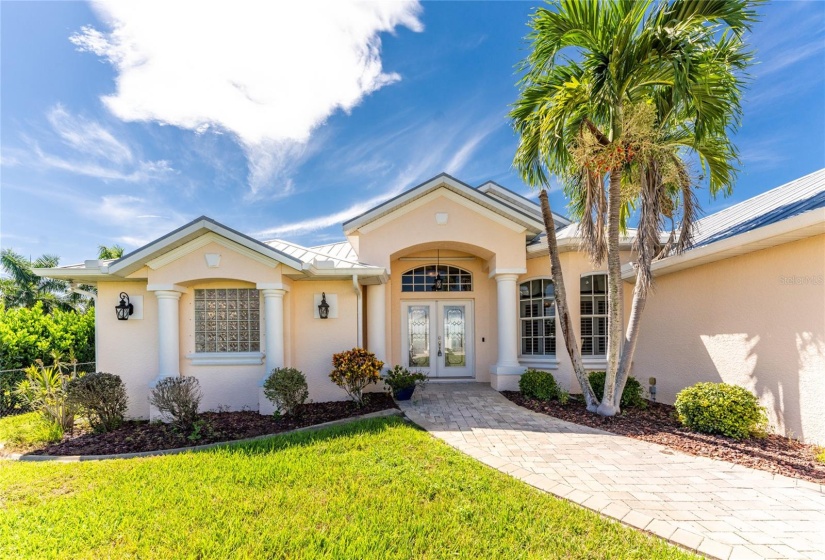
<point>613,93</point>
<point>23,288</point>
<point>113,252</point>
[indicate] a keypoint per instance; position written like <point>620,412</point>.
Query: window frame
<point>523,320</point>
<point>428,271</point>
<point>592,356</point>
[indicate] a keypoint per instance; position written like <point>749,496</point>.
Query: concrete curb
<point>78,458</point>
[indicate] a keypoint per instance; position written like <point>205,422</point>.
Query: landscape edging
<point>79,458</point>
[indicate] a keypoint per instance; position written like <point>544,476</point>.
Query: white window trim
<point>539,362</point>
<point>591,361</point>
<point>226,358</point>
<point>549,361</point>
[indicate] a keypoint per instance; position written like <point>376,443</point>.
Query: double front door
<point>437,337</point>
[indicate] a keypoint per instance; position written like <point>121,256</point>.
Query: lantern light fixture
<point>438,282</point>
<point>124,308</point>
<point>323,308</point>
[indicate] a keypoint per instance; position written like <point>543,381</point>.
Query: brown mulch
<point>135,436</point>
<point>658,424</point>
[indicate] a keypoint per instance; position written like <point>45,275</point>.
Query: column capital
<point>167,294</point>
<point>272,293</point>
<point>268,286</point>
<point>166,288</point>
<point>507,275</point>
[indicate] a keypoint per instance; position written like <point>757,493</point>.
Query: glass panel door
<point>418,335</point>
<point>437,337</point>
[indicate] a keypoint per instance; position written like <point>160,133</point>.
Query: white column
<point>274,328</point>
<point>507,305</point>
<point>168,333</point>
<point>377,320</point>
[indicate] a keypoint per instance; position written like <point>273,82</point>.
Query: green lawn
<point>372,489</point>
<point>26,431</point>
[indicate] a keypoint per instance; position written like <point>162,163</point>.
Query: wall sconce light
<point>124,308</point>
<point>323,308</point>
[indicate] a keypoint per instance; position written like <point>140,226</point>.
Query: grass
<point>29,430</point>
<point>372,489</point>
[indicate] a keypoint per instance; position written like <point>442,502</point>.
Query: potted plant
<point>402,382</point>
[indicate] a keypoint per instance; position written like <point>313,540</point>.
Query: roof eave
<point>798,227</point>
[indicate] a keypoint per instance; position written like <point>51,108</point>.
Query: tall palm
<point>113,252</point>
<point>591,62</point>
<point>23,288</point>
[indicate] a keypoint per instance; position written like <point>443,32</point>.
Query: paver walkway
<point>719,509</point>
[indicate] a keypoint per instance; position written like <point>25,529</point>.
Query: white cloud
<point>268,72</point>
<point>142,171</point>
<point>429,150</point>
<point>88,136</point>
<point>137,215</point>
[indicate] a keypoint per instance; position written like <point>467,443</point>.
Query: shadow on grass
<point>278,442</point>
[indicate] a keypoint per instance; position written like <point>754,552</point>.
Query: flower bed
<point>212,427</point>
<point>658,424</point>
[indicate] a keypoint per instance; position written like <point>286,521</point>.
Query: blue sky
<point>277,122</point>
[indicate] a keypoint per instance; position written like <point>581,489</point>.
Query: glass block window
<point>537,315</point>
<point>422,279</point>
<point>227,320</point>
<point>594,315</point>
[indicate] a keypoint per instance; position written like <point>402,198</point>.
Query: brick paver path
<point>719,509</point>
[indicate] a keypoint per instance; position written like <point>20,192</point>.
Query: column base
<point>505,377</point>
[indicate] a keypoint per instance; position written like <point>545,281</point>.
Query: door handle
<point>439,346</point>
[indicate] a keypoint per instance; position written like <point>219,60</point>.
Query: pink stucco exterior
<point>743,319</point>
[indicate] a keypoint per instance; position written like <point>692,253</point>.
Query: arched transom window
<point>423,279</point>
<point>537,314</point>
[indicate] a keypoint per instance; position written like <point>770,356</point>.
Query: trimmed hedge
<point>102,397</point>
<point>538,384</point>
<point>719,408</point>
<point>631,395</point>
<point>287,389</point>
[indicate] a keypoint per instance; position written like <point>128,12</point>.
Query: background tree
<point>23,288</point>
<point>113,252</point>
<point>664,76</point>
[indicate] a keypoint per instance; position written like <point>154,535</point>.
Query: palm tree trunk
<point>561,304</point>
<point>615,293</point>
<point>636,309</point>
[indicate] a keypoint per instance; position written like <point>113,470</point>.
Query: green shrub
<point>179,397</point>
<point>538,384</point>
<point>719,408</point>
<point>631,395</point>
<point>102,396</point>
<point>45,390</point>
<point>29,334</point>
<point>287,389</point>
<point>354,370</point>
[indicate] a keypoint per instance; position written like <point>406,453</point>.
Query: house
<point>746,305</point>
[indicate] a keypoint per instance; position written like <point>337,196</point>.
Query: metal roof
<point>801,195</point>
<point>340,255</point>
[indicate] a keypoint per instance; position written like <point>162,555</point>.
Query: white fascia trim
<point>803,225</point>
<point>193,228</point>
<point>473,205</point>
<point>226,358</point>
<point>516,200</point>
<point>205,240</point>
<point>83,275</point>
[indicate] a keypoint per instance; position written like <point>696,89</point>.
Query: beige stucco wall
<point>128,348</point>
<point>314,341</point>
<point>465,230</point>
<point>746,321</point>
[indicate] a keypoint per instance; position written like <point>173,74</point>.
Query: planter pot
<point>404,394</point>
